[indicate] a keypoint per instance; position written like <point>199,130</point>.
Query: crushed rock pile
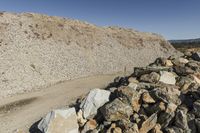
<point>163,97</point>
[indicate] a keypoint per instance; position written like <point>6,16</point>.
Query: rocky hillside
<point>163,97</point>
<point>38,50</point>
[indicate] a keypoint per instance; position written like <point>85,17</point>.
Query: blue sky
<point>174,19</point>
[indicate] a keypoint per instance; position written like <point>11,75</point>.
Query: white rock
<point>197,78</point>
<point>133,85</point>
<point>59,121</point>
<point>95,99</point>
<point>167,77</point>
<point>183,60</point>
<point>168,63</point>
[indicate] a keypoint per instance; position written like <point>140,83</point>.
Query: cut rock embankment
<point>37,50</point>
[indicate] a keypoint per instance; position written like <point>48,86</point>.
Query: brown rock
<point>133,129</point>
<point>168,63</point>
<point>132,80</point>
<point>149,124</point>
<point>89,126</point>
<point>147,98</point>
<point>80,119</point>
<point>130,96</point>
<point>166,116</point>
<point>114,129</point>
<point>157,129</point>
<point>117,130</point>
<point>196,77</point>
<point>171,107</point>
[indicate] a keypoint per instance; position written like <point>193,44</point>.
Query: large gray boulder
<point>59,121</point>
<point>95,99</point>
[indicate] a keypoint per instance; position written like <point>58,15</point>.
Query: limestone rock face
<point>40,50</point>
<point>59,121</point>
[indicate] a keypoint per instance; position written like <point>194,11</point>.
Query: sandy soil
<point>21,111</point>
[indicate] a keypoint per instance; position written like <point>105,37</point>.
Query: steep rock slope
<point>38,50</point>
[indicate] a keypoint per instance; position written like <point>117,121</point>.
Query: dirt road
<point>21,111</point>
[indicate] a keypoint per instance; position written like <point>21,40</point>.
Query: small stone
<point>183,70</point>
<point>167,77</point>
<point>59,121</point>
<point>80,119</point>
<point>135,118</point>
<point>193,65</point>
<point>147,98</point>
<point>183,60</point>
<point>197,123</point>
<point>191,122</point>
<point>116,110</point>
<point>196,108</point>
<point>167,94</point>
<point>196,56</point>
<point>180,61</point>
<point>113,125</point>
<point>133,129</point>
<point>95,99</point>
<point>89,126</point>
<point>166,116</point>
<point>197,78</point>
<point>171,107</point>
<point>149,124</point>
<point>158,107</point>
<point>174,129</point>
<point>181,120</point>
<point>133,80</point>
<point>114,129</point>
<point>168,63</point>
<point>157,129</point>
<point>130,96</point>
<point>184,82</point>
<point>117,130</point>
<point>160,61</point>
<point>187,53</point>
<point>133,85</point>
<point>124,124</point>
<point>153,77</point>
<point>139,71</point>
<point>112,89</point>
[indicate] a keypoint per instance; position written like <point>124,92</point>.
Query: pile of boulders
<point>163,97</point>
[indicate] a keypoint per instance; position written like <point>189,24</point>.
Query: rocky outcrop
<point>169,104</point>
<point>38,50</point>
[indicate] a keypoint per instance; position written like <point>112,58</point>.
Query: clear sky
<point>174,19</point>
